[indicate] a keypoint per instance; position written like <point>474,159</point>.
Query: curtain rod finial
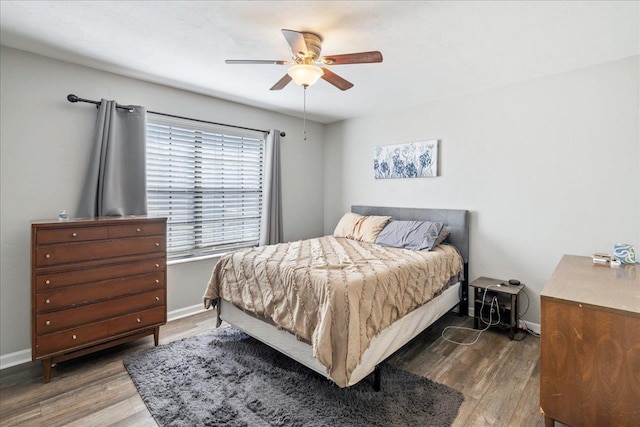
<point>72,98</point>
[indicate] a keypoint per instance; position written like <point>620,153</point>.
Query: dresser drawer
<point>140,320</point>
<point>71,234</point>
<point>74,317</point>
<point>140,229</point>
<point>98,250</point>
<point>73,339</point>
<point>98,291</point>
<point>49,281</point>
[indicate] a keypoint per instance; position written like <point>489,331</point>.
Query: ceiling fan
<point>306,64</point>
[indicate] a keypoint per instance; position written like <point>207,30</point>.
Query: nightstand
<point>507,301</point>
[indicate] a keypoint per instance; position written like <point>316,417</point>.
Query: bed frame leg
<point>376,378</point>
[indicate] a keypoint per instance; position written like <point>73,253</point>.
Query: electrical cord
<point>526,327</point>
<point>524,291</point>
<point>480,331</point>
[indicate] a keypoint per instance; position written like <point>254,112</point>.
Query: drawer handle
<point>74,337</point>
<point>75,234</point>
<point>47,256</point>
<point>138,230</point>
<point>47,282</point>
<point>157,244</point>
<point>157,281</point>
<point>47,301</point>
<point>157,265</point>
<point>138,320</point>
<point>157,298</point>
<point>48,322</point>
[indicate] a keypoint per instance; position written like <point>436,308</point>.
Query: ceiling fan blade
<point>282,82</point>
<point>254,61</point>
<point>336,80</point>
<point>353,58</point>
<point>296,41</point>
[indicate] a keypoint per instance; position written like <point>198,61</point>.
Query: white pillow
<point>358,227</point>
<point>369,227</point>
<point>347,225</point>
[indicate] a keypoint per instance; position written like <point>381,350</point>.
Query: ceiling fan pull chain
<point>304,113</point>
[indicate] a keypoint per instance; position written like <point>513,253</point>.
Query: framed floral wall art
<point>410,160</point>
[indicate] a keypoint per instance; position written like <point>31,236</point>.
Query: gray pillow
<point>415,235</point>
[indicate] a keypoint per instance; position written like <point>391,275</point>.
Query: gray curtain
<point>271,225</point>
<point>115,184</point>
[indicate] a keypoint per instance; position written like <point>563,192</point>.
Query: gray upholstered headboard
<point>456,220</point>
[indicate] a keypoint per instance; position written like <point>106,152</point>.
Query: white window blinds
<point>207,180</point>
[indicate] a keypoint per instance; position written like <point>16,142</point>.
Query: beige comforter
<point>335,293</point>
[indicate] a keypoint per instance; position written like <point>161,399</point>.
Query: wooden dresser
<point>590,345</point>
<point>95,283</point>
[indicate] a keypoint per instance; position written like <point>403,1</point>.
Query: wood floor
<point>499,379</point>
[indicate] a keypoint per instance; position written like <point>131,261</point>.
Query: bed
<point>344,331</point>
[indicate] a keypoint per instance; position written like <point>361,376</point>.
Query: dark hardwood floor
<point>498,377</point>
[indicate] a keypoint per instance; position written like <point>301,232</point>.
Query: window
<point>207,181</point>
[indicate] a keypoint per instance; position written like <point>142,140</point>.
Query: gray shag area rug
<point>226,378</point>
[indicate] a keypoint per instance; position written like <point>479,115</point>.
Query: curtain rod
<point>74,98</point>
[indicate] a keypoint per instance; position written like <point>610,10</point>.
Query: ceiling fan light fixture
<point>305,74</point>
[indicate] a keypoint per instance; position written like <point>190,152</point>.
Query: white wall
<point>45,144</point>
<point>546,167</point>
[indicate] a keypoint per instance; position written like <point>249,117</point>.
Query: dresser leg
<point>156,335</point>
<point>46,369</point>
<point>549,422</point>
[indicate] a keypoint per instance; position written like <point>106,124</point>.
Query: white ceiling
<point>431,50</point>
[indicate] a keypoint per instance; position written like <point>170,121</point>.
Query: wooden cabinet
<point>95,283</point>
<point>590,345</point>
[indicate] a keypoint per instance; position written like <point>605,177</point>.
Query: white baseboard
<point>185,312</point>
<point>24,356</point>
<point>15,358</point>
<point>534,327</point>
